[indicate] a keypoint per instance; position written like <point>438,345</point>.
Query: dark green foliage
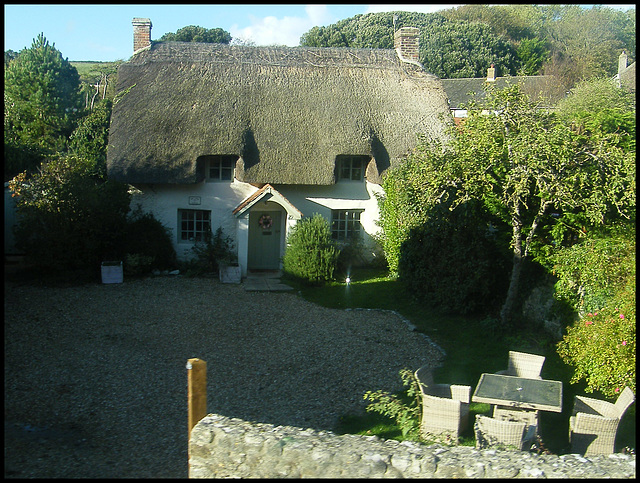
<point>92,135</point>
<point>567,41</point>
<point>193,33</point>
<point>448,49</point>
<point>215,251</point>
<point>454,260</point>
<point>42,105</point>
<point>311,254</point>
<point>69,217</point>
<point>532,54</point>
<point>148,244</point>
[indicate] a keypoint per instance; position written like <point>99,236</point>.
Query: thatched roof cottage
<point>229,135</point>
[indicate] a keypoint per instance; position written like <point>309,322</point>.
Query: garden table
<point>519,392</point>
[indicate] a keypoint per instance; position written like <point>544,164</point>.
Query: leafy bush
<point>69,216</point>
<point>311,254</point>
<point>216,250</point>
<point>590,273</point>
<point>598,277</point>
<point>405,408</point>
<point>453,261</point>
<point>602,345</point>
<point>137,264</point>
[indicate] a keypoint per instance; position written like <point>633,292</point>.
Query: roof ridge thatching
<point>287,112</point>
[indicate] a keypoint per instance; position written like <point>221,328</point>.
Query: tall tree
<point>194,33</point>
<point>42,105</point>
<point>529,168</point>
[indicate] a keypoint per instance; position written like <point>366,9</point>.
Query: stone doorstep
<point>264,283</point>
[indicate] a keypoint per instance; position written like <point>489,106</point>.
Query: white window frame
<point>216,167</point>
<point>193,225</point>
<point>345,224</point>
<point>352,167</point>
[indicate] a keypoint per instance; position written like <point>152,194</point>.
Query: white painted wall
<point>223,197</point>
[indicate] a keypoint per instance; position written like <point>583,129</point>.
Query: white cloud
<point>280,31</point>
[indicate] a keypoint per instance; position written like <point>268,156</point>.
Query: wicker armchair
<point>502,434</point>
<point>445,408</point>
<point>522,364</point>
<point>594,423</point>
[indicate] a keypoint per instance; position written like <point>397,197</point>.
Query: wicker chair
<point>445,408</point>
<point>502,434</point>
<point>594,423</point>
<point>522,364</point>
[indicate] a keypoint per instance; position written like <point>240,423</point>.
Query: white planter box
<point>111,272</point>
<point>230,274</point>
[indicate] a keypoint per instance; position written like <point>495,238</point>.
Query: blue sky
<point>104,32</point>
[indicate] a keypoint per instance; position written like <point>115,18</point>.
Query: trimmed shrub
<point>148,244</point>
<point>311,254</point>
<point>453,261</point>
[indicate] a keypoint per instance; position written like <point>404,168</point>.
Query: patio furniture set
<point>516,396</point>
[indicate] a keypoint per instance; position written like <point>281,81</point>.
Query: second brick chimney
<point>141,33</point>
<point>406,41</point>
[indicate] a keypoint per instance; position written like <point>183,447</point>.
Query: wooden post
<point>197,394</point>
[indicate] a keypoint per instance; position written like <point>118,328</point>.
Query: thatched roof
<point>286,111</point>
<point>461,91</point>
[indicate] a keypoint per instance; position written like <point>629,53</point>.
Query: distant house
<point>461,91</point>
<point>252,139</point>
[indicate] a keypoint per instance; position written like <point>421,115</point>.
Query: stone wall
<point>222,447</point>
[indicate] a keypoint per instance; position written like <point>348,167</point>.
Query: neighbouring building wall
<point>222,447</point>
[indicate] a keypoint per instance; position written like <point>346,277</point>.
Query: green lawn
<point>473,345</point>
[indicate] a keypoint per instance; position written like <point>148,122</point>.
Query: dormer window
<point>220,168</point>
<point>351,168</point>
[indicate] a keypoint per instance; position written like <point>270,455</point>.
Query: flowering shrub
<point>602,345</point>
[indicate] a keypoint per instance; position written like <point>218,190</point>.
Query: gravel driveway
<point>96,379</point>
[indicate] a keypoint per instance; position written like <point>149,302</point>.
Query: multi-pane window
<point>220,168</point>
<point>194,225</point>
<point>345,224</point>
<point>352,167</point>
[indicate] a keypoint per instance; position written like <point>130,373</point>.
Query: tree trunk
<point>506,313</point>
<point>507,308</point>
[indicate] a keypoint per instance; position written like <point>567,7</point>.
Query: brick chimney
<point>141,33</point>
<point>491,74</point>
<point>406,41</point>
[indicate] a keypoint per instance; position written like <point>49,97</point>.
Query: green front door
<point>264,240</point>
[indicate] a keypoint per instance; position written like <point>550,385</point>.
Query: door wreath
<point>265,222</point>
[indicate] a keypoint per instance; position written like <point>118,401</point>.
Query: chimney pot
<point>141,33</point>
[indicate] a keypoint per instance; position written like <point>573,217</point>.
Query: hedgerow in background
<point>311,254</point>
